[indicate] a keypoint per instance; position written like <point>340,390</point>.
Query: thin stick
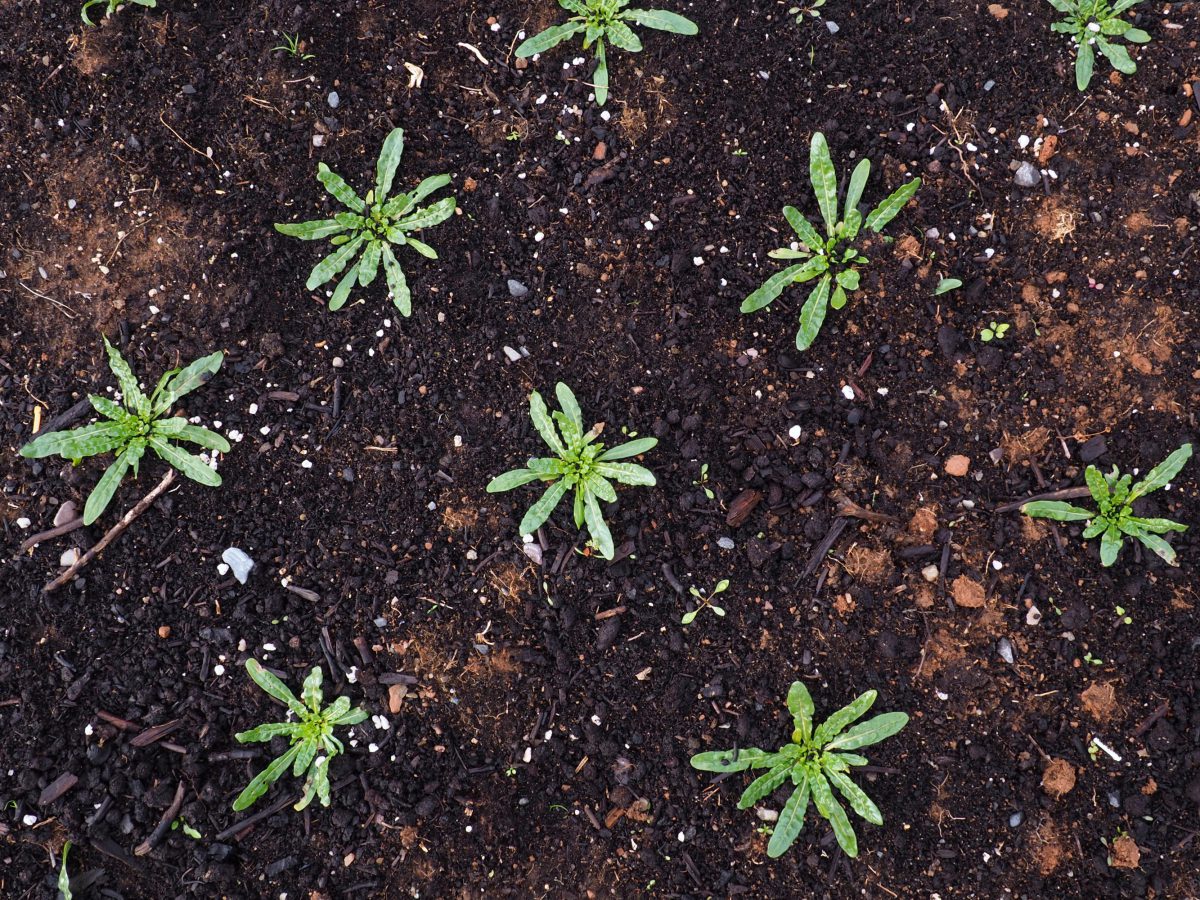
<point>1074,493</point>
<point>186,144</point>
<point>113,533</point>
<point>56,531</point>
<point>163,824</point>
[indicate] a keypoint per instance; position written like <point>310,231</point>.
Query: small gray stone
<point>1027,176</point>
<point>513,355</point>
<point>833,27</point>
<point>1005,649</point>
<point>725,543</point>
<point>239,563</point>
<point>68,512</point>
<point>533,551</point>
<point>334,100</point>
<point>517,289</point>
<point>1016,819</point>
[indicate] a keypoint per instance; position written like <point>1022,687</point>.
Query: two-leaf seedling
<point>1115,495</point>
<point>580,462</point>
<point>1093,25</point>
<point>601,22</point>
<point>110,7</point>
<point>313,745</point>
<point>706,600</point>
<point>815,762</point>
<point>138,425</point>
<point>371,227</point>
<point>830,258</point>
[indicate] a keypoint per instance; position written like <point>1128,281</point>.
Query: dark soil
<point>541,744</point>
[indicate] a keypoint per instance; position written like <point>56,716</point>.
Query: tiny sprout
<point>1125,619</point>
<point>702,481</point>
<point>706,601</point>
<point>811,9</point>
<point>994,332</point>
<point>946,285</point>
<point>293,47</point>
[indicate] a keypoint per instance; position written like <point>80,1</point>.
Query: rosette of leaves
<point>816,763</point>
<point>601,22</point>
<point>137,424</point>
<point>111,6</point>
<point>580,463</point>
<point>313,745</point>
<point>1115,495</point>
<point>366,232</point>
<point>830,259</point>
<point>1096,25</point>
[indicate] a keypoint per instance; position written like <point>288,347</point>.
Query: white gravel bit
<point>23,523</point>
<point>239,562</point>
<point>513,355</point>
<point>848,392</point>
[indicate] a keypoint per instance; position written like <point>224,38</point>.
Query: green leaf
<point>544,424</point>
<point>772,288</point>
<point>1110,545</point>
<point>627,473</point>
<point>64,880</point>
<point>890,208</point>
<point>429,186</point>
<point>430,215</point>
<point>1158,546</point>
<point>1156,526</point>
<point>341,293</point>
<point>263,781</point>
<point>597,527</point>
<point>1136,36</point>
<point>540,511</point>
<point>1160,476</point>
<point>808,235</point>
<point>824,181</point>
<point>764,785</point>
<point>597,484</point>
<point>1085,64</point>
<point>192,466</point>
<point>397,283</point>
<point>1095,528</point>
<point>105,488</point>
<point>131,393</point>
<point>187,380</point>
<point>790,822</point>
<point>661,20</point>
<point>858,183</point>
<point>622,36</point>
<point>311,231</point>
<point>264,733</point>
<point>332,265</point>
<point>833,726</point>
<point>600,76</point>
<point>828,807</point>
<point>569,405</point>
<point>389,161</point>
<point>310,692</point>
<point>551,37</point>
<point>629,449</point>
<point>731,760</point>
<point>869,732</point>
<point>180,429</point>
<point>946,285</point>
<point>107,408</point>
<point>812,316</point>
<point>1097,485</point>
<point>368,266</point>
<point>351,717</point>
<point>79,443</point>
<point>510,480</point>
<point>421,247</point>
<point>337,186</point>
<point>1056,510</point>
<point>304,759</point>
<point>848,279</point>
<point>273,686</point>
<point>800,705</point>
<point>1118,56</point>
<point>863,805</point>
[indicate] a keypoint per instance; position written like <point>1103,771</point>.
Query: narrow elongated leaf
<point>310,691</point>
<point>351,717</point>
<point>812,316</point>
<point>881,215</point>
<point>332,265</point>
<point>1121,5</point>
<point>263,781</point>
<point>510,480</point>
<point>397,283</point>
<point>264,733</point>
<point>336,185</point>
<point>108,409</point>
<point>551,37</point>
<point>1085,64</point>
<point>828,807</point>
<point>187,380</point>
<point>181,429</point>
<point>131,393</point>
<point>1136,36</point>
<point>304,759</point>
<point>629,449</point>
<point>627,473</point>
<point>273,686</point>
<point>1156,526</point>
<point>421,247</point>
<point>790,822</point>
<point>622,36</point>
<point>824,181</point>
<point>856,796</point>
<point>540,416</point>
<point>600,77</point>
<point>341,293</point>
<point>388,162</point>
<point>540,511</point>
<point>858,183</point>
<point>79,443</point>
<point>575,6</point>
<point>192,466</point>
<point>311,231</point>
<point>102,494</point>
<point>869,732</point>
<point>430,215</point>
<point>569,405</point>
<point>1097,485</point>
<point>599,486</point>
<point>1056,510</point>
<point>368,266</point>
<point>597,527</point>
<point>1158,546</point>
<point>772,288</point>
<point>1118,56</point>
<point>800,705</point>
<point>1160,476</point>
<point>809,236</point>
<point>833,726</point>
<point>764,784</point>
<point>662,20</point>
<point>731,760</point>
<point>1110,545</point>
<point>429,186</point>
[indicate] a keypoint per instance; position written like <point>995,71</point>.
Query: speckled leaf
<point>790,822</point>
<point>336,185</point>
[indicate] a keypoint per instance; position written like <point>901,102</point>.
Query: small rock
<point>1092,449</point>
<point>833,27</point>
<point>164,631</point>
<point>1027,176</point>
<point>69,558</point>
<point>513,355</point>
<point>238,562</point>
<point>1033,616</point>
<point>23,523</point>
<point>68,512</point>
<point>958,465</point>
<point>516,289</point>
<point>396,695</point>
<point>767,815</point>
<point>318,140</point>
<point>534,552</point>
<point>1005,649</point>
<point>725,543</point>
<point>334,100</point>
<point>930,573</point>
<point>1016,819</point>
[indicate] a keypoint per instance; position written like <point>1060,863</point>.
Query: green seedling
<point>702,481</point>
<point>581,463</point>
<point>1093,24</point>
<point>181,823</point>
<point>136,424</point>
<point>601,22</point>
<point>312,734</point>
<point>1115,495</point>
<point>811,9</point>
<point>831,258</point>
<point>293,47</point>
<point>706,601</point>
<point>946,285</point>
<point>815,762</point>
<point>111,6</point>
<point>64,880</point>
<point>1122,616</point>
<point>995,331</point>
<point>371,227</point>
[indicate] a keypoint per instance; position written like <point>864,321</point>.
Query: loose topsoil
<point>535,716</point>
